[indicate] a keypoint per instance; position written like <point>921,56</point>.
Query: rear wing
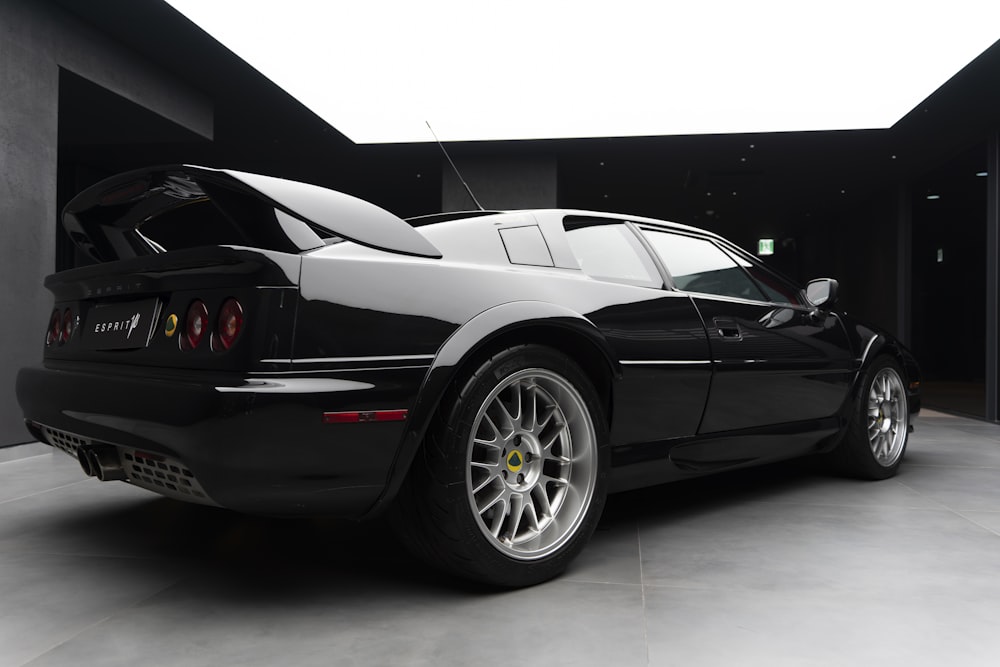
<point>154,210</point>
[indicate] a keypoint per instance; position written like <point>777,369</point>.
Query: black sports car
<point>487,377</point>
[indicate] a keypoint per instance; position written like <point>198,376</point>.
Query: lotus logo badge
<point>514,461</point>
<point>171,326</point>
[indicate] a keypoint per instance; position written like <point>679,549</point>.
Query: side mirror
<point>822,292</point>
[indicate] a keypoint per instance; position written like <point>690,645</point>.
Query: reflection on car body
<point>484,378</point>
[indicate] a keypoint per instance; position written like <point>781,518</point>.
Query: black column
<point>904,263</point>
<point>992,276</point>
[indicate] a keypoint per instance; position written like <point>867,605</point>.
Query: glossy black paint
<point>772,365</point>
<point>691,383</point>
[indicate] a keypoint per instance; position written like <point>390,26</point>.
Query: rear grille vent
<point>161,473</point>
<point>155,472</point>
<point>67,442</point>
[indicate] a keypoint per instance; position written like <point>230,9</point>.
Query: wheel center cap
<point>515,461</point>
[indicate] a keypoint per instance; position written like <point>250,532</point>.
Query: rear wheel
<point>876,438</point>
<point>513,475</point>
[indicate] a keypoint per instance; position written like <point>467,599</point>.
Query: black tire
<point>877,434</point>
<point>553,456</point>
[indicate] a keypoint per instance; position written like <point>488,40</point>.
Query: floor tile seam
<point>928,498</point>
<point>846,505</point>
<point>750,589</point>
<point>71,637</point>
<point>597,582</point>
<point>697,588</point>
<point>955,466</point>
<point>977,523</point>
<point>642,594</point>
<point>90,627</point>
<point>21,459</point>
<point>42,492</point>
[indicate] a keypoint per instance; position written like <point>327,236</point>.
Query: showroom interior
<point>907,219</point>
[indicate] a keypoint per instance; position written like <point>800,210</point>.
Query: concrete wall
<point>500,183</point>
<point>36,40</point>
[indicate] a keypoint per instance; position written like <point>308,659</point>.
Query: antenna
<point>457,173</point>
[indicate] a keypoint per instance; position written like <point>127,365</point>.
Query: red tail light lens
<point>230,324</point>
<point>195,325</point>
<point>54,331</point>
<point>67,326</point>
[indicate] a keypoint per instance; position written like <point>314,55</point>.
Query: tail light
<point>53,335</point>
<point>195,325</point>
<point>67,326</point>
<point>229,325</point>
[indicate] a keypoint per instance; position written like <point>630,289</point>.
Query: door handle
<point>728,329</point>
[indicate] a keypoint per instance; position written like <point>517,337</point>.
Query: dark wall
<point>500,183</point>
<point>949,268</point>
<point>37,41</point>
<point>860,250</point>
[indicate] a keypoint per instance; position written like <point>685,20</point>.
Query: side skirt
<point>646,464</point>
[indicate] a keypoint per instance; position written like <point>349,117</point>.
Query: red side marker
<point>364,416</point>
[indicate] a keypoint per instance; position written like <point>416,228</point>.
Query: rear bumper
<point>251,444</point>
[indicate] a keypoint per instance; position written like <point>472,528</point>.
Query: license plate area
<point>120,326</point>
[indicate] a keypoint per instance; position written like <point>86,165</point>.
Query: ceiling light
<point>934,196</point>
<point>982,173</point>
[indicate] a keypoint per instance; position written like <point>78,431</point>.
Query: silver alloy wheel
<point>531,466</point>
<point>888,418</point>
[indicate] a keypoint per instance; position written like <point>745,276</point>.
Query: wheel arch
<point>495,329</point>
<point>879,344</point>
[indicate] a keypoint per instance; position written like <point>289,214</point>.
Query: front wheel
<point>513,475</point>
<point>876,438</point>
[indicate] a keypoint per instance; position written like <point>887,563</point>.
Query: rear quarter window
<point>611,252</point>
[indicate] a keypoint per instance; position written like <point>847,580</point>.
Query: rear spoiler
<point>269,213</point>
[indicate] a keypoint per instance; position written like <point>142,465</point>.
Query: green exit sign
<point>765,247</point>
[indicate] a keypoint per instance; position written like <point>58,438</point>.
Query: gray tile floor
<point>779,566</point>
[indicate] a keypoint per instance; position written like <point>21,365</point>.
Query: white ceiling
<point>548,69</point>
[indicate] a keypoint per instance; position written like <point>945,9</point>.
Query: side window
<point>776,289</point>
<point>698,265</point>
<point>610,251</point>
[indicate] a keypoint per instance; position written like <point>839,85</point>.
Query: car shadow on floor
<point>300,559</point>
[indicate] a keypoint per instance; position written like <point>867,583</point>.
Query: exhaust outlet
<point>83,456</point>
<point>102,463</point>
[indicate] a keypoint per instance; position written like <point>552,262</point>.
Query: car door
<point>775,358</point>
<point>656,334</point>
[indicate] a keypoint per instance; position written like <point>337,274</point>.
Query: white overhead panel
<point>547,69</point>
